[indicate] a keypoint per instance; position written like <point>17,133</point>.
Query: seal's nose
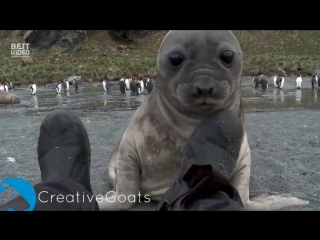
<point>203,89</point>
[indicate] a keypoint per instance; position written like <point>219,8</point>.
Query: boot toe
<point>64,148</point>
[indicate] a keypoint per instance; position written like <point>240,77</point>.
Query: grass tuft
<point>264,52</point>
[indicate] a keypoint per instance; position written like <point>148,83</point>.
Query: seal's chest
<point>165,156</point>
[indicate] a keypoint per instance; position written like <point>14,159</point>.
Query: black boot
<point>64,148</point>
<point>203,181</point>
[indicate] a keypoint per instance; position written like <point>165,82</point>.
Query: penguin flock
<point>135,85</point>
<point>6,86</point>
<point>65,85</point>
<point>260,80</point>
<point>279,81</point>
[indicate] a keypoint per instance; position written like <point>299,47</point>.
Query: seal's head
<point>200,69</point>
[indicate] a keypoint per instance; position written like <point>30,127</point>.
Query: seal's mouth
<point>204,101</point>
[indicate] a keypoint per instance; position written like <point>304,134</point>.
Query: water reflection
<point>105,99</point>
<point>298,96</point>
<point>314,93</point>
<point>282,99</point>
<point>278,94</point>
<point>94,97</point>
<point>142,97</point>
<point>34,101</point>
<point>128,102</point>
<point>281,95</point>
<point>59,98</point>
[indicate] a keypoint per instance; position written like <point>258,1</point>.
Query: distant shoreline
<point>270,75</point>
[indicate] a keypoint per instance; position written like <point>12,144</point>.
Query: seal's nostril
<point>203,92</point>
<point>199,91</point>
<point>203,88</point>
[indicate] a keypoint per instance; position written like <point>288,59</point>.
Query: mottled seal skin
<point>198,73</point>
<point>8,98</point>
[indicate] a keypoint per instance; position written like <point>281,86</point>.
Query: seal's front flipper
<point>273,202</point>
<point>126,178</point>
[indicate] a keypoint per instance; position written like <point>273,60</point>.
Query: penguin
<point>264,84</point>
<point>256,82</point>
<point>149,85</point>
<point>127,82</point>
<point>58,88</point>
<point>11,85</point>
<point>281,82</point>
<point>105,85</point>
<point>33,88</point>
<point>134,87</point>
<point>66,85</point>
<point>145,81</point>
<point>5,86</point>
<point>75,85</point>
<point>140,87</point>
<point>276,81</point>
<point>299,82</point>
<point>122,86</point>
<point>1,87</point>
<point>313,81</point>
<point>318,81</point>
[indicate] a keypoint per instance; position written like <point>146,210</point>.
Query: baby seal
<point>198,73</point>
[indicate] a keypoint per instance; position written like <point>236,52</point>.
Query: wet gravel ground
<point>282,131</point>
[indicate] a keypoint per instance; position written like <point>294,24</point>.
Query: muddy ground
<point>282,131</point>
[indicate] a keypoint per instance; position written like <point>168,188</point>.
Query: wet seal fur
<point>8,98</point>
<point>198,73</point>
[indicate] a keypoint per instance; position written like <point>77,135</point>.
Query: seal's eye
<point>176,59</point>
<point>227,58</point>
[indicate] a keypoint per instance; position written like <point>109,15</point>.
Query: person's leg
<point>64,157</point>
<point>212,152</point>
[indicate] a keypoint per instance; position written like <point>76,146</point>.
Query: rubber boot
<point>212,152</point>
<point>64,148</point>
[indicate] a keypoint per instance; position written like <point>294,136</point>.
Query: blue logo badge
<point>24,188</point>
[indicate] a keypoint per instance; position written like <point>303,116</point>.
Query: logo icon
<point>24,188</point>
<point>20,49</point>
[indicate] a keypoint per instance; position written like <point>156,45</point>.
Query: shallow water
<point>281,161</point>
<point>90,97</point>
<point>93,98</point>
<point>276,99</point>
